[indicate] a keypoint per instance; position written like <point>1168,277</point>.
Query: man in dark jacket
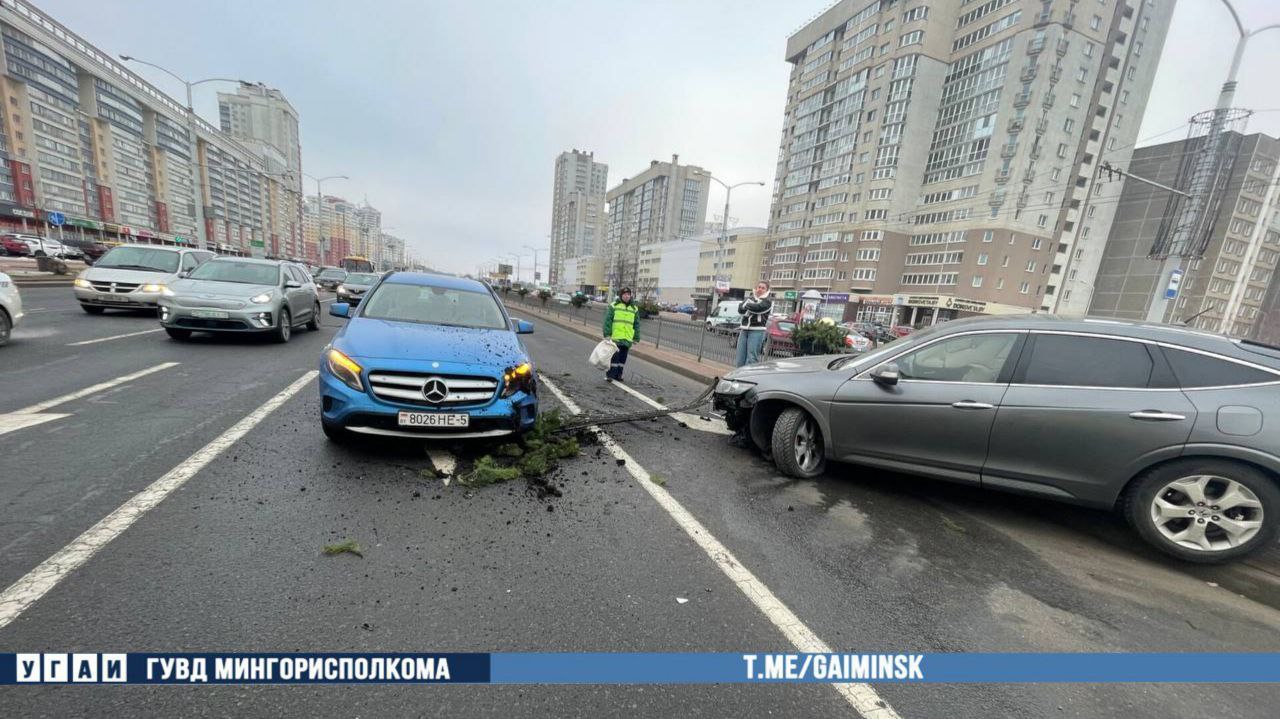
<point>755,319</point>
<point>622,325</point>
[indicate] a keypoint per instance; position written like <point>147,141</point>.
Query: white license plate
<point>432,419</point>
<point>210,314</point>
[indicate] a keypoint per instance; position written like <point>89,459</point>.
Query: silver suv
<point>239,294</point>
<point>131,277</point>
<point>1173,427</point>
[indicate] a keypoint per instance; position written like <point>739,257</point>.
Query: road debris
<point>349,546</point>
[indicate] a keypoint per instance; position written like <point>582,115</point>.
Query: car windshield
<point>249,273</point>
<point>331,274</point>
<point>148,259</point>
<point>433,305</point>
<point>361,278</point>
<point>787,326</point>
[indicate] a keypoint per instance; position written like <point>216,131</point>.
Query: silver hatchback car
<point>236,294</point>
<point>1167,425</point>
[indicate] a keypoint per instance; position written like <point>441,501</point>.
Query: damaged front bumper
<point>735,399</point>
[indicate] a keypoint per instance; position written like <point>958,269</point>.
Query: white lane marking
<point>47,404</point>
<point>114,337</point>
<point>715,425</point>
<point>444,462</point>
<point>35,584</point>
<point>862,697</point>
<point>14,421</point>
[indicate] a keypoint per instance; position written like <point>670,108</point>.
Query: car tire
<point>798,447</point>
<point>284,328</point>
<point>178,333</point>
<point>1154,501</point>
<point>314,323</point>
<point>93,309</point>
<point>6,327</point>
<point>336,433</point>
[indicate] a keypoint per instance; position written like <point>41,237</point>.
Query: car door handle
<point>1155,415</point>
<point>970,404</point>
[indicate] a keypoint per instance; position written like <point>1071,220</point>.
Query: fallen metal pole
<point>583,421</point>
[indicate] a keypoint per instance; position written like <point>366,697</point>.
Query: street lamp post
<point>1173,263</point>
<point>724,232</point>
<point>320,209</point>
<point>201,232</point>
<point>535,261</point>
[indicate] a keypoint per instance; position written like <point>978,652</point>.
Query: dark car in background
<point>330,277</point>
<point>91,249</point>
<point>1173,428</point>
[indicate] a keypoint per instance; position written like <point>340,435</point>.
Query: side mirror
<point>340,309</point>
<point>886,374</point>
<point>292,284</point>
<point>523,327</point>
<point>183,274</point>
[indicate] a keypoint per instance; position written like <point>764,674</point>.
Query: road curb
<point>702,374</point>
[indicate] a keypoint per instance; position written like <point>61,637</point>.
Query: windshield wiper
<point>144,268</point>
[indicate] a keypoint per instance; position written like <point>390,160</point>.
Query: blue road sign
<point>56,219</point>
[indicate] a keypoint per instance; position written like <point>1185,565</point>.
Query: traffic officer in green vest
<point>622,325</point>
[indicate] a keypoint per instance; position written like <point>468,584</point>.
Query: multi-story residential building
<point>666,202</point>
<point>577,211</point>
<point>262,119</point>
<point>740,257</point>
<point>369,225</point>
<point>1231,288</point>
<point>937,157</point>
<point>87,142</point>
<point>582,274</point>
<point>339,233</point>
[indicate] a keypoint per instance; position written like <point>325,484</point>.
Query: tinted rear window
<point>1197,370</point>
<point>1088,362</point>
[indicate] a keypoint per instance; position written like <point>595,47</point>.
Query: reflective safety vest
<point>624,322</point>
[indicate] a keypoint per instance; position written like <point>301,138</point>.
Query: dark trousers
<point>617,362</point>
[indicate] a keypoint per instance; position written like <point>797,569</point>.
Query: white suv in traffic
<point>10,307</point>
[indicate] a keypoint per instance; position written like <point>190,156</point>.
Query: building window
<point>982,258</point>
<point>977,280</point>
<point>1096,22</point>
<point>1036,243</point>
<point>999,283</point>
<point>1075,99</point>
<point>988,235</point>
<point>1005,261</point>
<point>1024,288</point>
<point>1031,265</point>
<point>914,37</point>
<point>1062,149</point>
<point>1043,221</point>
<point>1068,126</point>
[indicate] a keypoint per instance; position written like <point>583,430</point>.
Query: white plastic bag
<point>603,352</point>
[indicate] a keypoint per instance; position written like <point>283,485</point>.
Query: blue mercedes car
<point>427,357</point>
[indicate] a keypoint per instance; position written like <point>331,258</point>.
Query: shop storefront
<point>874,308</point>
<point>15,218</point>
<point>924,310</point>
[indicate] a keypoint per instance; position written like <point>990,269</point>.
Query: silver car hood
<point>212,288</point>
<point>112,274</point>
<point>790,365</point>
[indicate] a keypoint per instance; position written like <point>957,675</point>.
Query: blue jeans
<point>749,344</point>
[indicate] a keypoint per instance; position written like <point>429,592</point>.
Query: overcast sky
<point>449,115</point>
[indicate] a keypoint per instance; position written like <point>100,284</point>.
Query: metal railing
<point>690,337</point>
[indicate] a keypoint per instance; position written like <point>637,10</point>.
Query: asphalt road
<point>231,560</point>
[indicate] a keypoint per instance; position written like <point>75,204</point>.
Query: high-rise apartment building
<point>87,143</point>
<point>577,210</point>
<point>1232,287</point>
<point>666,202</point>
<point>262,119</point>
<point>939,157</point>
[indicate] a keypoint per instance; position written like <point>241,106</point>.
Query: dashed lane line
<point>714,425</point>
<point>114,337</point>
<point>862,697</point>
<point>49,573</point>
<point>94,389</point>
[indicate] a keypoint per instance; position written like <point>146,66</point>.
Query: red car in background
<point>14,246</point>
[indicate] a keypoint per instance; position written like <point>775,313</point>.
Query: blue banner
<point>632,668</point>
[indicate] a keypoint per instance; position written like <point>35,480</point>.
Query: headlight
<point>261,299</point>
<point>517,378</point>
<point>342,288</point>
<point>82,283</point>
<point>733,386</point>
<point>345,369</point>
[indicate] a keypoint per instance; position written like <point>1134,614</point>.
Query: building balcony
<point>1029,73</point>
<point>1035,46</point>
<point>1002,176</point>
<point>1061,47</point>
<point>1042,126</point>
<point>1015,125</point>
<point>1022,99</point>
<point>1047,102</point>
<point>1009,150</point>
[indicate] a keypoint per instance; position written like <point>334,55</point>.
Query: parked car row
<point>18,245</point>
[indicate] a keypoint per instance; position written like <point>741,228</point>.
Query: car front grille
<point>104,286</point>
<point>432,390</point>
<point>199,323</point>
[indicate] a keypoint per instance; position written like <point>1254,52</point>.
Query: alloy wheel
<point>1207,513</point>
<point>808,445</point>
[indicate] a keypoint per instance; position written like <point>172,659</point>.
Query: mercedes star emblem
<point>435,389</point>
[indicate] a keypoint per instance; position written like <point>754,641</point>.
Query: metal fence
<point>690,337</point>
